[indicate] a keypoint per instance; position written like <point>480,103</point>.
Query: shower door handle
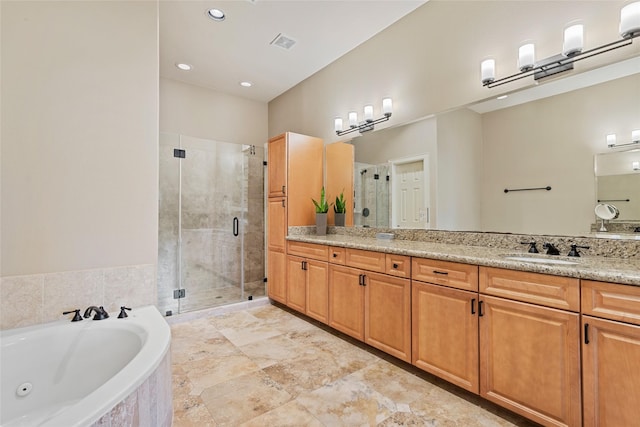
<point>236,226</point>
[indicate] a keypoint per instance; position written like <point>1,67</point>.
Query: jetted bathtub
<point>94,372</point>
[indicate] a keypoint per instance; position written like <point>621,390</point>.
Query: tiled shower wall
<point>38,298</point>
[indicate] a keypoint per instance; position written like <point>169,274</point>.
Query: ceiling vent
<point>283,41</point>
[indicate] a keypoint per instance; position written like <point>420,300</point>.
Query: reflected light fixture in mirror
<point>635,139</point>
<point>369,122</point>
<point>572,51</point>
<point>635,166</point>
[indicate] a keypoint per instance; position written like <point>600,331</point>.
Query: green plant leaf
<point>322,206</point>
<point>341,204</point>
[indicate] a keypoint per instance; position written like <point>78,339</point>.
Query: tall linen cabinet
<point>294,166</point>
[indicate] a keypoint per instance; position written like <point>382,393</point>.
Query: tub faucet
<point>76,316</point>
<point>100,312</point>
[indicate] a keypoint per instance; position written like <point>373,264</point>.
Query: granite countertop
<point>605,269</point>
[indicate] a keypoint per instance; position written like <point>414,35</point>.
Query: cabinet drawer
<point>542,289</point>
<point>337,255</point>
<point>611,301</point>
<point>454,274</point>
<point>366,260</point>
<point>398,265</point>
<point>308,250</point>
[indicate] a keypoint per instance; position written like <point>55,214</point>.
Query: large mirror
<point>541,150</point>
<point>618,184</point>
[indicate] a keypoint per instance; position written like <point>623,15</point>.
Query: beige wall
<point>428,62</point>
<point>459,166</point>
<point>79,149</point>
<point>199,112</point>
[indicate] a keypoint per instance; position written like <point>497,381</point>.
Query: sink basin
<point>537,260</point>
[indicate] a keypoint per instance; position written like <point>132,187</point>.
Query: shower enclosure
<point>211,223</point>
<point>371,188</point>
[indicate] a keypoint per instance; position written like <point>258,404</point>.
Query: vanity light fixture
<point>635,139</point>
<point>571,51</point>
<point>369,122</point>
<point>635,166</point>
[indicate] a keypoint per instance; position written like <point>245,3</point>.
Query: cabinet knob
<point>335,255</point>
<point>395,265</point>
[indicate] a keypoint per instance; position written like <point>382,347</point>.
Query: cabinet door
<point>530,360</point>
<point>277,166</point>
<point>387,318</point>
<point>296,283</point>
<point>276,276</point>
<point>276,224</point>
<point>445,333</point>
<point>346,301</point>
<point>610,352</point>
<point>318,290</point>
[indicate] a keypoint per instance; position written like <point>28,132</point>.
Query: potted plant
<point>340,209</point>
<point>322,207</point>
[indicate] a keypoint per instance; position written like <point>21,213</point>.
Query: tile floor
<point>266,366</point>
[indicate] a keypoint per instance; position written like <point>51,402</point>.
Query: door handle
<point>444,273</point>
<point>236,226</point>
<point>304,265</point>
<point>473,306</point>
<point>283,203</point>
<point>480,313</point>
<point>586,333</point>
<point>283,189</point>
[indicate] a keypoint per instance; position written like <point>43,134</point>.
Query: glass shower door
<point>211,223</point>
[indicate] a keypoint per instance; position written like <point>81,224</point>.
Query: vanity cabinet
<point>307,280</point>
<point>300,183</point>
<point>290,190</point>
<point>610,353</point>
<point>370,306</point>
<point>445,321</point>
<point>529,352</point>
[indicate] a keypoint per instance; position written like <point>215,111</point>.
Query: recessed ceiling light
<point>216,14</point>
<point>245,84</point>
<point>502,97</point>
<point>184,67</point>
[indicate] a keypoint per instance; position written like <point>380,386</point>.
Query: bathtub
<point>94,372</point>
